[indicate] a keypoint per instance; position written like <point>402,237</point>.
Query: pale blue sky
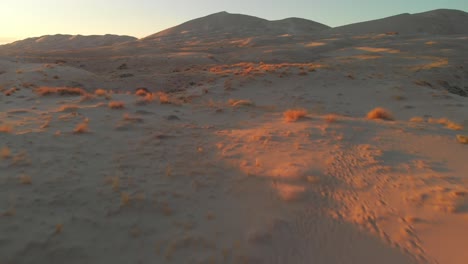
<point>29,18</point>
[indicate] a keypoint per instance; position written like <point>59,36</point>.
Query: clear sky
<point>31,18</point>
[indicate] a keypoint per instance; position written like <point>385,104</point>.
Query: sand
<point>207,169</point>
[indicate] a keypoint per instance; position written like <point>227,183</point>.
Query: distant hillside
<point>239,25</point>
<point>440,22</point>
<point>65,42</point>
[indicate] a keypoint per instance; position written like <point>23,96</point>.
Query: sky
<point>21,19</point>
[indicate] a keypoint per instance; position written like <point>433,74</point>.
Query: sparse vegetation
<point>447,123</point>
<point>141,92</point>
<point>417,119</point>
<point>124,199</point>
<point>116,105</point>
<point>25,179</point>
<point>147,98</point>
<point>462,139</point>
<point>331,118</point>
<point>81,128</point>
<point>163,98</point>
<point>43,91</point>
<point>5,128</point>
<point>100,92</point>
<point>5,153</point>
<point>380,113</point>
<point>115,183</point>
<point>293,115</point>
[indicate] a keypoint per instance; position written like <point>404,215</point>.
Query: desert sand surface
<point>241,148</point>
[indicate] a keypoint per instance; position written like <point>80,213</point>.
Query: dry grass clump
<point>164,98</point>
<point>380,113</point>
<point>100,92</point>
<point>462,139</point>
<point>447,123</point>
<point>6,128</point>
<point>453,126</point>
<point>81,128</point>
<point>417,119</point>
<point>141,92</point>
<point>146,98</point>
<point>293,115</point>
<point>43,91</point>
<point>5,153</point>
<point>236,103</point>
<point>124,199</point>
<point>116,105</point>
<point>114,182</point>
<point>331,118</point>
<point>25,179</point>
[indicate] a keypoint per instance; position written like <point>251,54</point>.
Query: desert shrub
<point>25,179</point>
<point>5,128</point>
<point>142,91</point>
<point>462,139</point>
<point>81,128</point>
<point>331,118</point>
<point>100,92</point>
<point>446,122</point>
<point>380,113</point>
<point>164,98</point>
<point>116,105</point>
<point>417,119</point>
<point>293,115</point>
<point>5,153</point>
<point>147,98</point>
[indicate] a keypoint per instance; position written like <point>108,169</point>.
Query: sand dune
<point>65,42</point>
<point>237,25</point>
<point>312,148</point>
<point>440,22</point>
